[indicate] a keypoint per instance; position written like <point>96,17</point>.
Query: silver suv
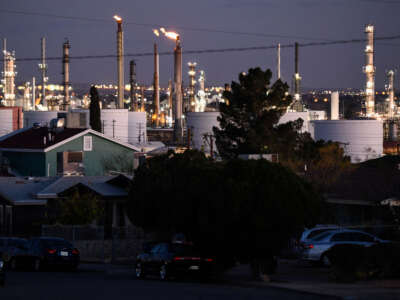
<point>316,249</point>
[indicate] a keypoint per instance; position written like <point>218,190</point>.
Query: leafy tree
<point>236,208</point>
<point>94,108</point>
<point>249,116</point>
<point>80,209</point>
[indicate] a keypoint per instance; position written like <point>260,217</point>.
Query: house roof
<point>36,190</point>
<point>99,184</point>
<point>32,139</point>
<point>37,138</point>
<point>22,191</point>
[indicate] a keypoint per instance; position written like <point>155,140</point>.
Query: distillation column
<point>178,126</point>
<point>132,82</point>
<point>192,83</point>
<point>65,73</point>
<point>369,70</point>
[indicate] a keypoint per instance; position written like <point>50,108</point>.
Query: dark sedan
<point>51,251</point>
<point>168,260</point>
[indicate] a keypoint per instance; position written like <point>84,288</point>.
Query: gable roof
<point>32,139</point>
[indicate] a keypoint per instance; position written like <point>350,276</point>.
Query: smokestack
<point>192,83</point>
<point>33,93</point>
<point>279,62</point>
<point>120,63</point>
<point>132,82</point>
<point>156,88</point>
<point>369,71</point>
<point>170,98</point>
<point>43,68</point>
<point>390,91</point>
<point>297,105</point>
<point>66,83</point>
<point>335,106</point>
<point>178,127</point>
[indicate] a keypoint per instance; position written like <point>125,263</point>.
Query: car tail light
<point>308,246</point>
<point>179,258</point>
<point>208,259</point>
<point>75,251</point>
<point>51,251</point>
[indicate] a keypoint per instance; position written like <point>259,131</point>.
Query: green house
<point>41,151</point>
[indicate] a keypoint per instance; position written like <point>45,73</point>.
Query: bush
<point>355,262</point>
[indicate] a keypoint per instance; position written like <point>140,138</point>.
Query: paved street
<point>118,286</point>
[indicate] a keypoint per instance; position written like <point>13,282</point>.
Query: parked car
<point>15,251</point>
<point>316,250</point>
<point>52,251</point>
<point>309,234</point>
<point>168,260</point>
<point>2,273</point>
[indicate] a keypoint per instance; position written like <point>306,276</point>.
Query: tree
<point>80,209</point>
<point>250,114</point>
<point>94,108</point>
<point>234,209</point>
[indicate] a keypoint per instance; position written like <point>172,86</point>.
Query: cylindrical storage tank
<point>137,133</point>
<point>335,106</point>
<point>200,125</point>
<point>361,139</point>
<point>6,121</point>
<point>115,123</point>
<point>41,117</point>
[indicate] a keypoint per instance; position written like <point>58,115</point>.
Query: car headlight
<point>1,264</point>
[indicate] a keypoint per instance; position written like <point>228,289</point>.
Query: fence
<point>126,242</point>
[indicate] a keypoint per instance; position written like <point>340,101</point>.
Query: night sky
<point>337,66</point>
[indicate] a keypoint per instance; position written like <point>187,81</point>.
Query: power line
<point>311,44</point>
<point>209,30</point>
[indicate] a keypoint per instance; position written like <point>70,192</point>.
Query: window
<point>75,157</point>
<point>361,237</point>
<point>342,237</point>
<point>87,143</point>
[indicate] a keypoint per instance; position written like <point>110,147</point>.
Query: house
<point>42,151</point>
<point>25,203</point>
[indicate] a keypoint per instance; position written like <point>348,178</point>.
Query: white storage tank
<point>115,123</point>
<point>293,116</point>
<point>361,139</point>
<point>137,132</point>
<point>200,124</point>
<point>41,117</point>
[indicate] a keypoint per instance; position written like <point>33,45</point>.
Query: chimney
<point>120,63</point>
<point>132,82</point>
<point>65,104</point>
<point>156,97</point>
<point>178,126</point>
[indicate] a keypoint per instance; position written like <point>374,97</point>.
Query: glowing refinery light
<point>117,18</point>
<point>156,32</point>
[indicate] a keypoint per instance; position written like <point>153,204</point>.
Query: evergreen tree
<point>95,121</point>
<point>249,116</point>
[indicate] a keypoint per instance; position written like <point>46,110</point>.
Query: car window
<point>314,233</point>
<point>361,237</point>
<point>56,243</point>
<point>184,250</point>
<point>343,236</point>
<point>163,249</point>
<point>321,236</point>
<point>154,250</point>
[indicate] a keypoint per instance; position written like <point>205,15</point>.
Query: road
<point>99,285</point>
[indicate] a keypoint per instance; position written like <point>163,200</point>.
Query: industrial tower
<point>43,69</point>
<point>65,73</point>
<point>390,92</point>
<point>369,70</point>
<point>297,104</point>
<point>8,75</point>
<point>192,83</point>
<point>156,96</point>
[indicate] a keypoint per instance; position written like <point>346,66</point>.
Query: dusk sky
<point>335,66</point>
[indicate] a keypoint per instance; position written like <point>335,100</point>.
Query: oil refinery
<point>135,113</point>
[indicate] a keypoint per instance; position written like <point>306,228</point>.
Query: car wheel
<point>139,270</point>
<point>163,273</point>
<point>37,265</point>
<point>325,261</point>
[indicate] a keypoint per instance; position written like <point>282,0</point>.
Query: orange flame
<point>169,34</point>
<point>118,19</point>
<point>156,32</point>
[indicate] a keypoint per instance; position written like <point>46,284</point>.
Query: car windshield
<point>181,249</point>
<point>321,236</point>
<point>57,243</point>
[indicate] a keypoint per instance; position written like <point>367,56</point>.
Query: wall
<point>102,150</point>
<point>27,163</point>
